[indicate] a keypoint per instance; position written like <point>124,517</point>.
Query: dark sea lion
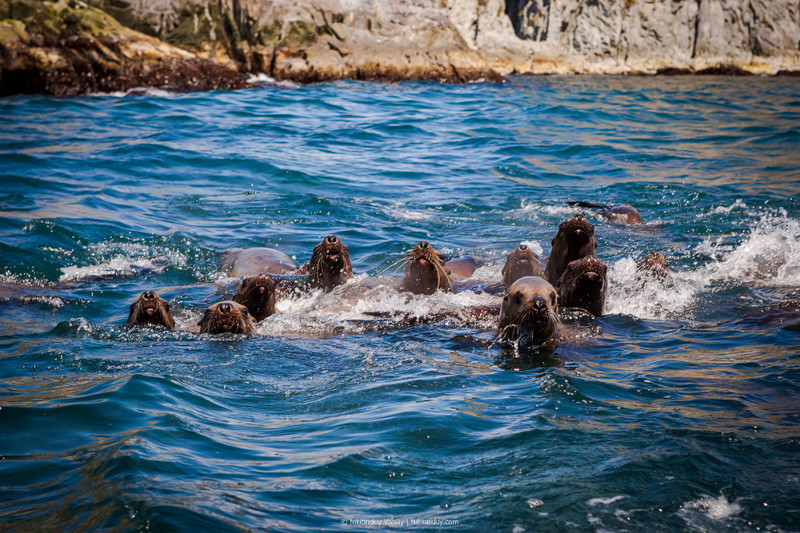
<point>329,265</point>
<point>254,261</point>
<point>426,271</point>
<point>583,284</point>
<point>151,309</point>
<point>619,214</point>
<point>226,317</point>
<point>258,294</point>
<point>654,265</point>
<point>520,263</point>
<point>529,313</point>
<point>464,266</point>
<point>575,239</point>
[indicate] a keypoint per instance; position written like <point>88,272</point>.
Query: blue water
<point>679,410</point>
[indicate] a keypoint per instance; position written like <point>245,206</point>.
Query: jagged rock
<point>66,46</point>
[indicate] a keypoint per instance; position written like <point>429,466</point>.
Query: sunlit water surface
<point>678,410</point>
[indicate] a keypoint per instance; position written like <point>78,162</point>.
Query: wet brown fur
<point>426,271</point>
<point>529,313</point>
<point>226,317</point>
<point>655,265</point>
<point>151,309</point>
<point>329,265</point>
<point>584,284</point>
<point>575,239</point>
<point>520,263</point>
<point>258,294</point>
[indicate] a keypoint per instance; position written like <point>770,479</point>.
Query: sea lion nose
<point>225,308</point>
<point>149,295</point>
<point>522,247</point>
<point>424,245</point>
<point>539,303</point>
<point>261,290</point>
<point>331,239</point>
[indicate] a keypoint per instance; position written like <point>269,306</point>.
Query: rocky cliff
<point>196,44</point>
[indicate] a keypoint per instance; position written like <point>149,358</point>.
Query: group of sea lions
<point>573,277</point>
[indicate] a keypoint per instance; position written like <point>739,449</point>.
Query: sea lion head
<point>226,317</point>
<point>258,295</point>
<point>520,263</point>
<point>656,266</point>
<point>583,284</point>
<point>576,235</point>
<point>426,271</point>
<point>529,313</point>
<point>330,264</point>
<point>574,239</point>
<point>149,308</point>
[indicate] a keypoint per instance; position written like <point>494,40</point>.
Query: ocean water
<point>678,410</point>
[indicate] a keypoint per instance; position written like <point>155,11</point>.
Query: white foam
<point>263,79</point>
<point>631,293</point>
<point>139,91</point>
<point>769,255</point>
<point>722,210</point>
<point>605,501</point>
<point>714,508</point>
<point>123,260</point>
<point>351,308</point>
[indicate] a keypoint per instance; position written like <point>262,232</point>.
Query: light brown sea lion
<point>520,263</point>
<point>583,284</point>
<point>426,271</point>
<point>258,294</point>
<point>619,214</point>
<point>151,309</point>
<point>329,265</point>
<point>654,265</point>
<point>575,239</point>
<point>226,317</point>
<point>464,266</point>
<point>254,261</point>
<point>529,313</point>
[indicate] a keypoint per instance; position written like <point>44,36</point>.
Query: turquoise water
<point>676,411</point>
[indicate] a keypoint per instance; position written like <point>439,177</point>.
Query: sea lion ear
<point>166,305</point>
<point>554,298</point>
<point>562,225</point>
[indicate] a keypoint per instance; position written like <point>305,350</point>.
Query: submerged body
<point>254,261</point>
<point>619,213</point>
<point>529,313</point>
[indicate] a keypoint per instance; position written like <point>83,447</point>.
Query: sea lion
<point>426,271</point>
<point>529,313</point>
<point>329,265</point>
<point>226,317</point>
<point>654,265</point>
<point>520,263</point>
<point>619,213</point>
<point>254,261</point>
<point>464,266</point>
<point>258,294</point>
<point>583,284</point>
<point>151,309</point>
<point>574,239</point>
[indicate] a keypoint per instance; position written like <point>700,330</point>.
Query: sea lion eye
<point>570,267</point>
<point>517,297</point>
<point>562,225</point>
<point>244,283</point>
